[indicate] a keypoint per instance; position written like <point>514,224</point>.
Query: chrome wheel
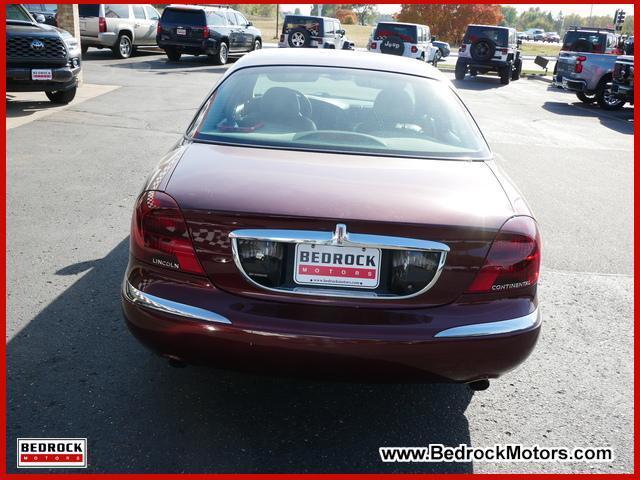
<point>609,99</point>
<point>124,46</point>
<point>257,45</point>
<point>297,39</point>
<point>224,53</point>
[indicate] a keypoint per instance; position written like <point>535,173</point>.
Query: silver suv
<point>120,27</point>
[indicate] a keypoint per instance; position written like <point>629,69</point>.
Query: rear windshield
<point>89,10</point>
<point>183,17</point>
<point>407,33</point>
<point>330,109</point>
<point>500,36</point>
<point>311,24</point>
<point>588,42</point>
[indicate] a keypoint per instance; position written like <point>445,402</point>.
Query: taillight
<point>414,49</point>
<point>513,261</point>
<point>504,51</point>
<point>462,48</point>
<point>579,60</point>
<point>160,235</point>
<point>373,45</point>
<point>159,29</point>
<point>102,24</point>
<point>205,32</point>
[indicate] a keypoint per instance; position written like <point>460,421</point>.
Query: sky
<point>580,9</point>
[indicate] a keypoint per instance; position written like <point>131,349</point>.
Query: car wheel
<point>123,47</point>
<point>606,100</point>
<point>299,38</point>
<point>173,55</point>
<point>461,70</point>
<point>222,56</point>
<point>62,97</point>
<point>436,57</point>
<point>586,97</point>
<point>505,74</point>
<point>517,69</point>
<point>257,45</point>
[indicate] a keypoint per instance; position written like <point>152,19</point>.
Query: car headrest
<point>280,103</point>
<point>393,106</point>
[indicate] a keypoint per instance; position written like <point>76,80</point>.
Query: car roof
<point>199,7</point>
<point>494,26</point>
<point>309,16</point>
<point>337,58</point>
<point>403,23</point>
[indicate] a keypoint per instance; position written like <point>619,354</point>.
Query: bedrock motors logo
<point>52,453</point>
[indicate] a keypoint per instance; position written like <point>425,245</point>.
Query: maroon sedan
<point>334,213</point>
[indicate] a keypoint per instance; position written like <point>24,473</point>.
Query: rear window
<point>587,42</point>
<point>216,18</point>
<point>312,24</point>
<point>116,11</point>
<point>89,10</point>
<point>183,17</point>
<point>326,109</point>
<point>16,12</point>
<point>407,33</point>
<point>500,36</point>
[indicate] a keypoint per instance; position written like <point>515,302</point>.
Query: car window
<point>183,17</point>
<point>92,10</point>
<point>329,28</point>
<point>116,11</point>
<point>588,42</point>
<point>339,110</point>
<point>407,33</point>
<point>498,35</point>
<point>241,19</point>
<point>216,18</point>
<point>138,12</point>
<point>15,12</point>
<point>152,13</point>
<point>231,18</point>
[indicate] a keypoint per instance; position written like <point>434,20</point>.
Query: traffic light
<point>620,19</point>
<point>615,16</point>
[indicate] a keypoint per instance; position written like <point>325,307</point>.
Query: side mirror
<point>40,18</point>
<point>249,24</point>
<point>433,38</point>
<point>342,32</point>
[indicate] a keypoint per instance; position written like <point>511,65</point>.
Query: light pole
<point>277,19</point>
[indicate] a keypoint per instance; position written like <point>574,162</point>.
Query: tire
<point>257,45</point>
<point>461,70</point>
<point>392,46</point>
<point>173,55</point>
<point>123,47</point>
<point>62,97</point>
<point>436,57</point>
<point>605,100</point>
<point>517,69</point>
<point>299,38</point>
<point>586,98</point>
<point>482,50</point>
<point>222,56</point>
<point>505,74</point>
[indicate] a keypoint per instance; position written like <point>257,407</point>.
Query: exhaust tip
<point>479,385</point>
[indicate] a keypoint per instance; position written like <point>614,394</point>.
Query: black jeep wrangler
<point>489,48</point>
<point>40,58</point>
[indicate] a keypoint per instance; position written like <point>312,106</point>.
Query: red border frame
<point>3,374</point>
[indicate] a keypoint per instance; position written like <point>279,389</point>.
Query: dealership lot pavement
<point>74,370</point>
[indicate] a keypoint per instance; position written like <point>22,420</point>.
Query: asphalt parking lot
<point>75,371</point>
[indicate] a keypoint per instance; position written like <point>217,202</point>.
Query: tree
<point>296,11</point>
<point>509,16</point>
<point>449,21</point>
<point>346,16</point>
<point>364,11</point>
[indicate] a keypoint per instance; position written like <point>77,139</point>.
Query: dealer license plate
<point>41,74</point>
<point>336,266</point>
<point>181,31</point>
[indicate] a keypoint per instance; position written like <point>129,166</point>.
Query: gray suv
<point>120,27</point>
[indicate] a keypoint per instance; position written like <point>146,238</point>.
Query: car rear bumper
<point>209,46</point>
<point>104,39</point>
<point>489,64</point>
<point>63,78</point>
<point>192,321</point>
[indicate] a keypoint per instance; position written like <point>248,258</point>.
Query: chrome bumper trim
<point>163,305</point>
<point>494,328</point>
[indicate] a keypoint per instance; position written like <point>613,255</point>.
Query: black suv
<point>213,31</point>
<point>485,48</point>
<point>40,58</point>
